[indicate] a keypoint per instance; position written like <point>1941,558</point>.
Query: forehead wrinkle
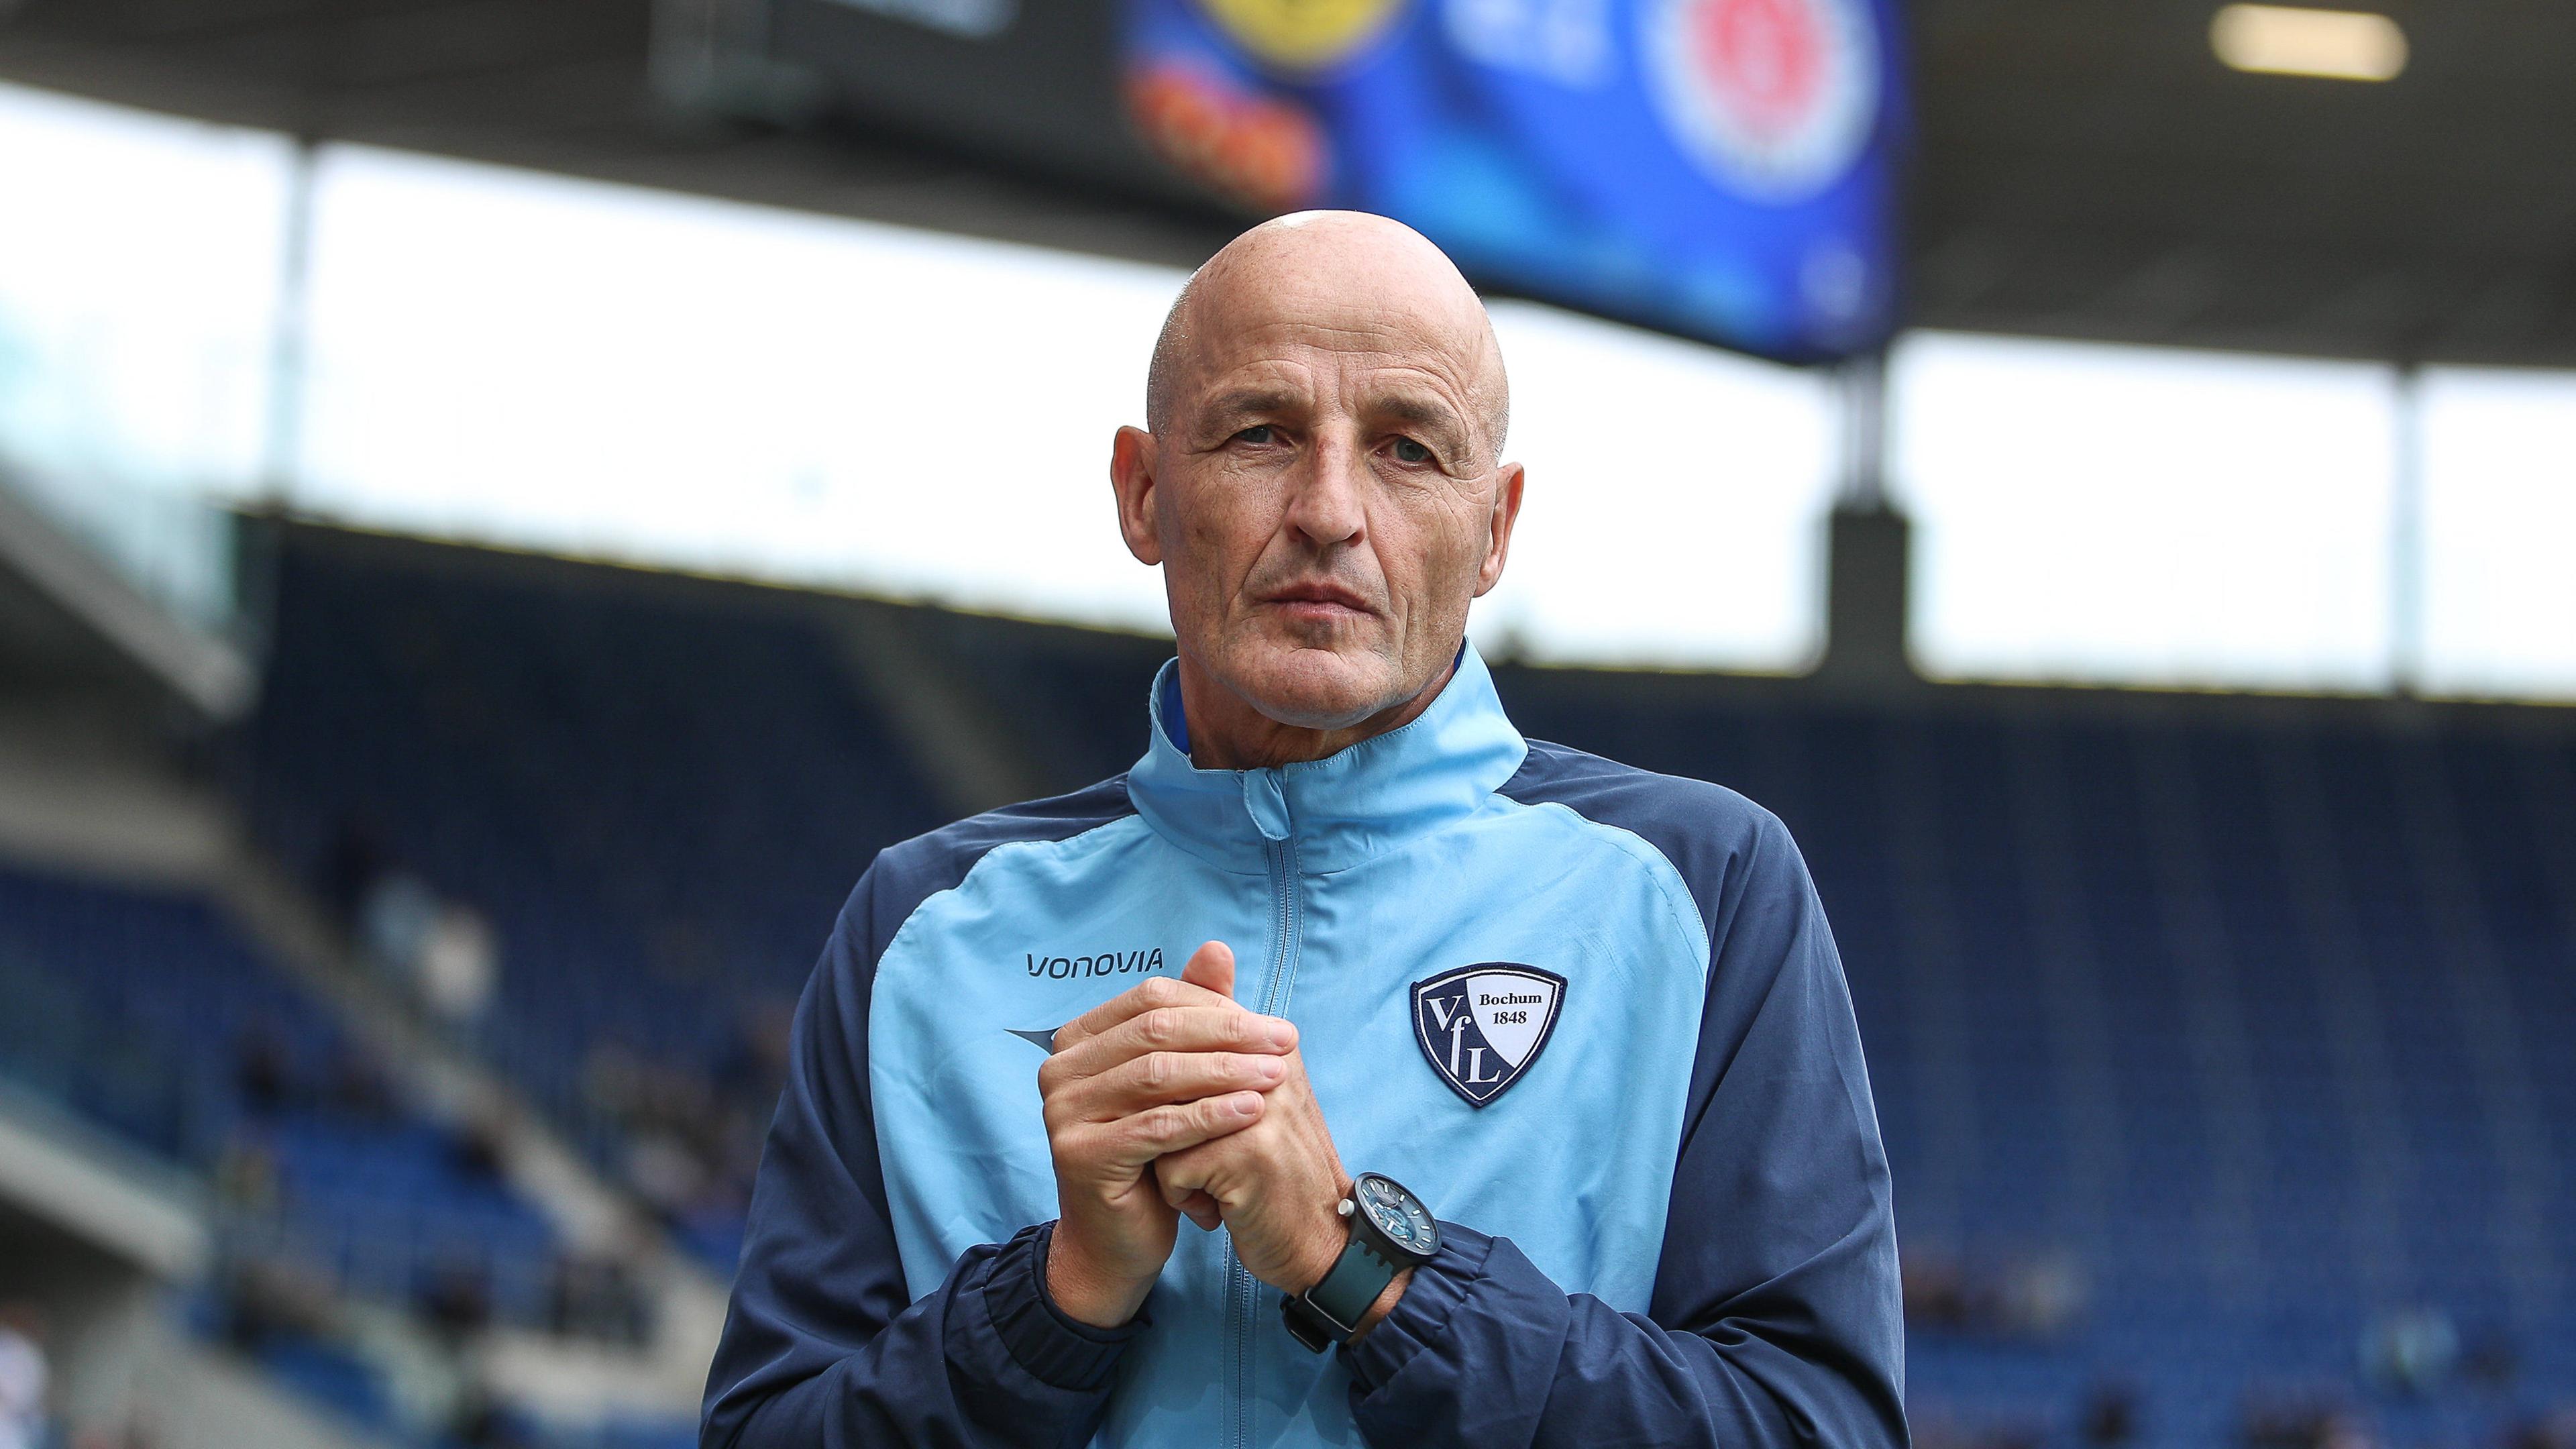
<point>1239,402</point>
<point>1304,342</point>
<point>1377,344</point>
<point>1280,289</point>
<point>1431,398</point>
<point>1389,385</point>
<point>1406,407</point>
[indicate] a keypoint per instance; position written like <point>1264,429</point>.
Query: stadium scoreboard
<point>1720,169</point>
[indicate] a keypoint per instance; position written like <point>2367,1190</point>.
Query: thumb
<point>1211,966</point>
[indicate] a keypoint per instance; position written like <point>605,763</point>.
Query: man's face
<point>1324,498</point>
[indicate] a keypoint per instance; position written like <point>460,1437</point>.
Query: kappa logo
<point>1482,1026</point>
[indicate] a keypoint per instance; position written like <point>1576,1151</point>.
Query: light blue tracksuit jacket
<point>1592,1016</point>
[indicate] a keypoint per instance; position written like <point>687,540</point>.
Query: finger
<point>1182,1179</point>
<point>1211,966</point>
<point>1148,995</point>
<point>1187,1173</point>
<point>1159,1077</point>
<point>1131,1142</point>
<point>1223,1028</point>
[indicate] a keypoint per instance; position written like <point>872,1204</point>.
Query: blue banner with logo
<point>1722,169</point>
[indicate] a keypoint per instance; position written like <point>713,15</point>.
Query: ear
<point>1507,512</point>
<point>1132,461</point>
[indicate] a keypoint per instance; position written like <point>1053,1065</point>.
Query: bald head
<point>1321,483</point>
<point>1324,268</point>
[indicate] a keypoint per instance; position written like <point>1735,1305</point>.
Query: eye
<point>1259,435</point>
<point>1409,451</point>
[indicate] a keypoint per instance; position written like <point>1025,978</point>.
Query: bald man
<point>1513,1095</point>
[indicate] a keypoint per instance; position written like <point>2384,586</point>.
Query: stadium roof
<point>2086,170</point>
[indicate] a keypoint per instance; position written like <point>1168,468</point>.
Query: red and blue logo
<point>1775,99</point>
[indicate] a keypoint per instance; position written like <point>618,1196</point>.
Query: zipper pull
<point>1265,799</point>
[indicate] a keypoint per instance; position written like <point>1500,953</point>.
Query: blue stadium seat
<point>148,1012</point>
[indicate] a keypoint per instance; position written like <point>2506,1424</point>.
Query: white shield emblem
<point>1482,1026</point>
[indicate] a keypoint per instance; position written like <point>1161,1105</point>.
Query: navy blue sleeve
<point>1775,1319</point>
<point>823,1347</point>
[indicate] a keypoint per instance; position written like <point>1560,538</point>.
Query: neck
<point>1228,733</point>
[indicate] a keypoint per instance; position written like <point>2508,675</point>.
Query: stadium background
<point>504,507</point>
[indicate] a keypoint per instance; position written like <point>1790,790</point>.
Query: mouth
<point>1319,601</point>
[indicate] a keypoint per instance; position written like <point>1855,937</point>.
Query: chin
<point>1313,688</point>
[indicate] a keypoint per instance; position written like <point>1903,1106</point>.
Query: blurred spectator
<point>395,917</point>
<point>2039,1296</point>
<point>482,1424</point>
<point>2411,1352</point>
<point>474,1147</point>
<point>2110,1419</point>
<point>24,1420</point>
<point>2036,1297</point>
<point>459,964</point>
<point>1935,1289</point>
<point>2489,1360</point>
<point>692,1139</point>
<point>665,1172</point>
<point>443,952</point>
<point>753,1069</point>
<point>1936,1431</point>
<point>246,1175</point>
<point>2304,1424</point>
<point>350,868</point>
<point>595,1296</point>
<point>2553,1430</point>
<point>262,1072</point>
<point>270,1298</point>
<point>357,1087</point>
<point>457,1300</point>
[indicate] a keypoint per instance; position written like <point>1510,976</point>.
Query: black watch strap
<point>1330,1312</point>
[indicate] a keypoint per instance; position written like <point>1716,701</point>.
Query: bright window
<point>139,265</point>
<point>1676,500</point>
<point>2500,533</point>
<point>2147,516</point>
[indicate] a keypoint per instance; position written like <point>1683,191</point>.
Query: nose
<point>1326,506</point>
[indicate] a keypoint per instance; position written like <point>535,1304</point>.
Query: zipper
<point>1242,1292</point>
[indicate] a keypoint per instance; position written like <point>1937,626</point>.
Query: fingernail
<point>1269,1069</point>
<point>1282,1034</point>
<point>1242,1104</point>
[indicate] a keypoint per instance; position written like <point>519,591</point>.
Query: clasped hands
<point>1171,1100</point>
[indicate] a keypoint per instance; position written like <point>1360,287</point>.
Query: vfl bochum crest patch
<point>1481,1026</point>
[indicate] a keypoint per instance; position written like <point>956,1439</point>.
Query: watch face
<point>1398,1214</point>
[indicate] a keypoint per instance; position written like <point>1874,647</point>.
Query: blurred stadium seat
<point>660,808</point>
<point>2202,1037</point>
<point>147,1011</point>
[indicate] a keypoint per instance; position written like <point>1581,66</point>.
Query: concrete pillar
<point>1868,546</point>
<point>1867,584</point>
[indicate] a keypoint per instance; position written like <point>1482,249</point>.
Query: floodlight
<point>2291,40</point>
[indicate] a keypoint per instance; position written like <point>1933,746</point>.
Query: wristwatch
<point>1390,1231</point>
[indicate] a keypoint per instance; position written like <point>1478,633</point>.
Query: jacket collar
<point>1339,810</point>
